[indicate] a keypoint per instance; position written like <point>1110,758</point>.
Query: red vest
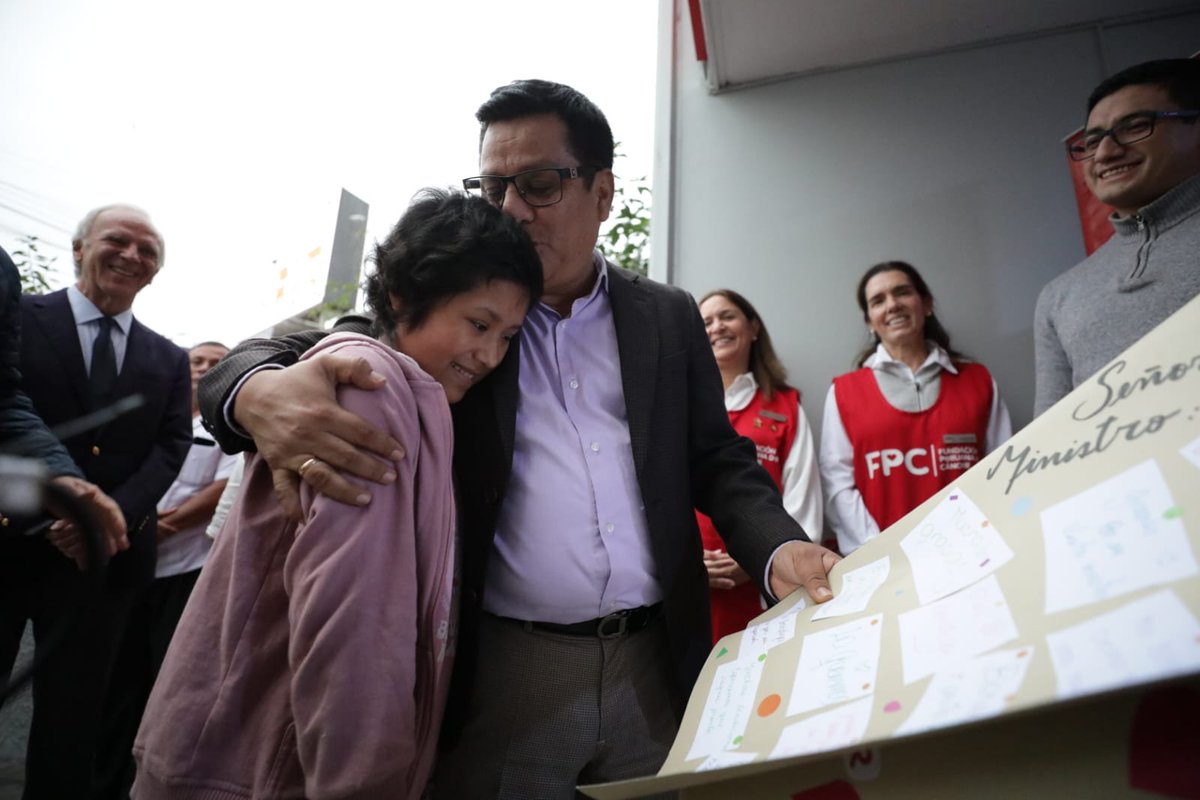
<point>902,458</point>
<point>772,428</point>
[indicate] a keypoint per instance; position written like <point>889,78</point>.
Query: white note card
<point>763,636</point>
<point>954,629</point>
<point>837,664</point>
<point>975,689</point>
<point>829,730</point>
<point>1121,535</point>
<point>730,701</point>
<point>722,760</point>
<point>858,586</point>
<point>1149,638</point>
<point>1191,451</point>
<point>953,547</point>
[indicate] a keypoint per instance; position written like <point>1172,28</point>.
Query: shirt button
<point>595,447</point>
<point>574,384</point>
<point>609,527</point>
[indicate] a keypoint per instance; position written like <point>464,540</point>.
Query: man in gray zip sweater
<point>1142,153</point>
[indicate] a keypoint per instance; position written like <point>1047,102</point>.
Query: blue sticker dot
<point>1021,506</point>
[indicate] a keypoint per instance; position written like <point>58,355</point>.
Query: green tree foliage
<point>627,240</point>
<point>34,266</point>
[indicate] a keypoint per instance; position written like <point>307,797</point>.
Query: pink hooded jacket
<point>313,659</point>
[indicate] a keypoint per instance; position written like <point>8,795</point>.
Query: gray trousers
<point>550,711</point>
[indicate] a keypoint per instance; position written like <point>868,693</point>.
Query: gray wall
<point>787,192</point>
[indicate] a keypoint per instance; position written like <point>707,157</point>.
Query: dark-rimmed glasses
<point>537,187</point>
<point>1132,128</point>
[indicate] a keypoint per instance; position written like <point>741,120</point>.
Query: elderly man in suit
<point>81,351</point>
<point>584,612</point>
<point>24,434</point>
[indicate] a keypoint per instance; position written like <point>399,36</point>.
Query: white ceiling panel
<point>754,41</point>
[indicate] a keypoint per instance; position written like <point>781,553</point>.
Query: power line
<point>51,225</point>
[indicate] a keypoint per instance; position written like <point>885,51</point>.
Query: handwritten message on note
<point>954,629</point>
<point>763,636</point>
<point>858,585</point>
<point>953,547</point>
<point>975,689</point>
<point>1114,538</point>
<point>730,701</point>
<point>829,730</point>
<point>837,664</point>
<point>1149,638</point>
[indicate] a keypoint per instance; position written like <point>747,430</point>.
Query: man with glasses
<point>1141,154</point>
<point>583,609</point>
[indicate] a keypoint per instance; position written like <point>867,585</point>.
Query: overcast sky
<point>236,124</point>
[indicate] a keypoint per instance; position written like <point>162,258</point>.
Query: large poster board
<point>1062,567</point>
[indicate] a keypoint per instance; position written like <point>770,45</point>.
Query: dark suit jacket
<point>135,457</point>
<point>22,432</point>
<point>686,454</point>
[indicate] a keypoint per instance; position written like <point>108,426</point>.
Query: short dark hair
<point>933,327</point>
<point>1180,77</point>
<point>445,244</point>
<point>769,372</point>
<point>589,137</point>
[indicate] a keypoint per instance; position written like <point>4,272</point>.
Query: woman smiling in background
<point>914,417</point>
<point>763,408</point>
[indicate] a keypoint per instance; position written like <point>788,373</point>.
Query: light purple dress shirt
<point>571,541</point>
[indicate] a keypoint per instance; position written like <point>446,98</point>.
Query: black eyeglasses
<point>1131,129</point>
<point>537,187</point>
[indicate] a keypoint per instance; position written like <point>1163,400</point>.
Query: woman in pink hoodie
<point>313,658</point>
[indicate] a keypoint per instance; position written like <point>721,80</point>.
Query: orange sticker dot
<point>983,524</point>
<point>1022,653</point>
<point>875,621</point>
<point>866,686</point>
<point>769,705</point>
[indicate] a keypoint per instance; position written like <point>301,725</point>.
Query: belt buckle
<point>621,618</point>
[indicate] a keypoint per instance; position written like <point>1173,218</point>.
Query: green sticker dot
<point>762,657</point>
<point>1174,512</point>
<point>723,651</point>
<point>737,740</point>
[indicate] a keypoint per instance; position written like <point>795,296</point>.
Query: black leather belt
<point>618,623</point>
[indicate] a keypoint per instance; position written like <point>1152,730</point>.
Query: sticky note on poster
<point>829,730</point>
<point>1191,451</point>
<point>974,689</point>
<point>761,637</point>
<point>955,629</point>
<point>1149,638</point>
<point>858,586</point>
<point>837,664</point>
<point>723,760</point>
<point>730,702</point>
<point>1114,538</point>
<point>953,547</point>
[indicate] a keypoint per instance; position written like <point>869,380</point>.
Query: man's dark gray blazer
<point>686,454</point>
<point>134,459</point>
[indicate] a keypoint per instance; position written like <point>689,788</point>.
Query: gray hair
<point>89,219</point>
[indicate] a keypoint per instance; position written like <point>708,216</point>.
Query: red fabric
<point>903,458</point>
<point>733,608</point>
<point>1164,741</point>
